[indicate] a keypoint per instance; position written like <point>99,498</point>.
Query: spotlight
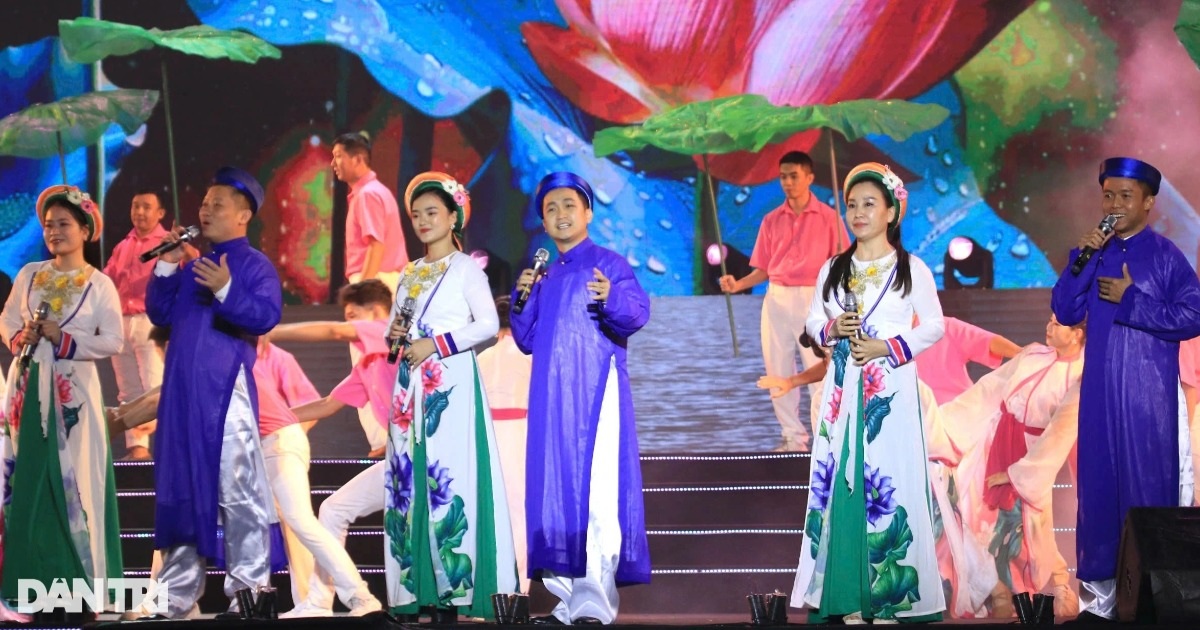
<point>481,258</point>
<point>968,265</point>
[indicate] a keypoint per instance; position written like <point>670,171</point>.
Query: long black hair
<point>839,271</point>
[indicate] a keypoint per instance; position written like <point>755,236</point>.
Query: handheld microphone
<point>850,303</point>
<point>1106,226</point>
<point>540,258</point>
<point>42,312</point>
<point>189,233</point>
<point>406,313</point>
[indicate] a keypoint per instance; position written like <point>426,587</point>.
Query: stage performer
<point>1141,299</point>
<point>210,466</point>
<point>794,240</point>
<point>943,366</point>
<point>365,306</point>
<point>374,239</point>
<point>1009,436</point>
<point>583,491</point>
<point>138,366</point>
<point>869,549</point>
<point>60,505</point>
<point>506,371</point>
<point>444,473</point>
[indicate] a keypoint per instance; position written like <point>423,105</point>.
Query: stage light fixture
<point>967,265</point>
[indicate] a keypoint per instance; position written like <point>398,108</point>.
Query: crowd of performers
<point>930,495</point>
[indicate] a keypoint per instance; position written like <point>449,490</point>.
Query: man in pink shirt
<point>374,238</point>
<point>139,365</point>
<point>369,385</point>
<point>281,385</point>
<point>794,241</point>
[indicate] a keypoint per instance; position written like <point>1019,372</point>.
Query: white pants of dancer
<point>138,367</point>
<point>243,514</point>
<point>595,594</point>
<point>784,311</point>
<point>286,455</point>
<point>510,441</point>
<point>361,496</point>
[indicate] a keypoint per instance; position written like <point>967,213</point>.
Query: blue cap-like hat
<point>242,182</point>
<point>563,179</point>
<point>1131,169</point>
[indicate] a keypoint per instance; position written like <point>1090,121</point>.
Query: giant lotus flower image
<point>623,61</point>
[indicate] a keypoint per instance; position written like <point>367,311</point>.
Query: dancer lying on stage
<point>55,438</point>
<point>210,467</point>
<point>1009,436</point>
<point>583,492</point>
<point>869,550</point>
<point>1141,298</point>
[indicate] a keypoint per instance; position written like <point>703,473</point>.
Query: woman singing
<point>868,536</point>
<point>449,543</point>
<point>59,496</point>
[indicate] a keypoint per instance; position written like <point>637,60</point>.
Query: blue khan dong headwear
<point>563,179</point>
<point>1131,169</point>
<point>243,182</point>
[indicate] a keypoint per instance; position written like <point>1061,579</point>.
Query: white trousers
<point>361,496</point>
<point>242,512</point>
<point>784,311</point>
<point>510,441</point>
<point>286,455</point>
<point>138,367</point>
<point>595,594</point>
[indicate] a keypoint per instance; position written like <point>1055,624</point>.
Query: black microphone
<point>189,233</point>
<point>405,317</point>
<point>43,311</point>
<point>850,303</point>
<point>1106,226</point>
<point>540,258</point>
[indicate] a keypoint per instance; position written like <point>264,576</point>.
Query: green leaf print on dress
<point>435,403</point>
<point>450,532</point>
<point>894,587</point>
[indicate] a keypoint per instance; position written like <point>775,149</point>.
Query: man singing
<point>210,466</point>
<point>583,497</point>
<point>1140,298</point>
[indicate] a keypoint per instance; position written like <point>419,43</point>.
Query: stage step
<point>716,522</point>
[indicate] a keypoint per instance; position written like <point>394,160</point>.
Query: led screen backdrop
<point>499,93</point>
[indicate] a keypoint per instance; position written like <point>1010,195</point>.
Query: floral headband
<point>891,182</point>
<point>432,179</point>
<point>73,196</point>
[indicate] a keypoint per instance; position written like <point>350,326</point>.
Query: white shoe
<point>305,610</point>
<point>854,619</point>
<point>877,621</point>
<point>360,606</point>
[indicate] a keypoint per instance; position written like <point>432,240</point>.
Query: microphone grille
<point>541,255</point>
<point>190,232</point>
